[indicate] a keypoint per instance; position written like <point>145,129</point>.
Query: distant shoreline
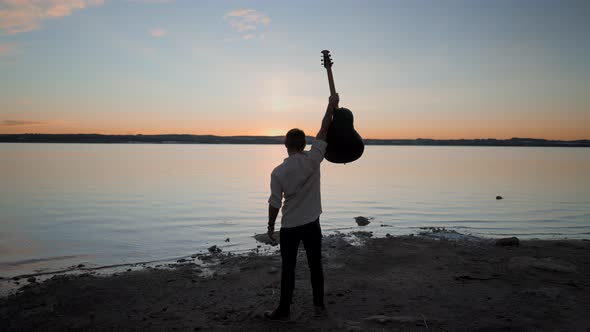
<point>212,139</point>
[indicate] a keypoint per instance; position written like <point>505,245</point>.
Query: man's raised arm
<point>332,104</point>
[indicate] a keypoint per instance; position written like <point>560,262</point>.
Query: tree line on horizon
<point>213,139</point>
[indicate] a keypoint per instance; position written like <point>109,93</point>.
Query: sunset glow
<point>428,69</point>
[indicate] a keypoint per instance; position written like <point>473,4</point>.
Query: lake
<point>101,204</point>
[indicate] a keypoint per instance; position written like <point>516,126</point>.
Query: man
<point>297,179</point>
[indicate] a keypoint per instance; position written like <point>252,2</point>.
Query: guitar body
<point>345,145</point>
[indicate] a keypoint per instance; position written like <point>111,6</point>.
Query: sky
<point>407,69</point>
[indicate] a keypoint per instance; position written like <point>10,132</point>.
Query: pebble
<point>507,241</point>
<point>214,249</point>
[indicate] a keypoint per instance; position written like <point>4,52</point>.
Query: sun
<point>275,132</point>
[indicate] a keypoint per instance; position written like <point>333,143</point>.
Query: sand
<point>394,283</point>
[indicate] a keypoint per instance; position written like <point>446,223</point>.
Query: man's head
<point>295,140</point>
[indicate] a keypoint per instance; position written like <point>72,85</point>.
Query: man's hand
<point>333,101</point>
<point>271,231</point>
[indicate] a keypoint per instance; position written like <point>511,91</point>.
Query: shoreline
<point>12,283</point>
<point>396,282</point>
<point>257,246</point>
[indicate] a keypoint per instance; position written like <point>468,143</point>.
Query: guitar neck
<point>331,81</point>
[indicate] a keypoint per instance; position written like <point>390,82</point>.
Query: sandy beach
<point>392,283</point>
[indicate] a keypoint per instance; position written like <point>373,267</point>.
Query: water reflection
<point>137,202</point>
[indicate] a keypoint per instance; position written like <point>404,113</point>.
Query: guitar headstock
<point>327,59</point>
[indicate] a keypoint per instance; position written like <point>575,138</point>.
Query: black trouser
<point>311,235</point>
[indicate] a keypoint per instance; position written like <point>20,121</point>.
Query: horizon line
<point>364,138</point>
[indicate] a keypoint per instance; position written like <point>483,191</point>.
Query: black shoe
<point>320,311</point>
<point>278,315</point>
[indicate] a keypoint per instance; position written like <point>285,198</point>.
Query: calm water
<point>98,204</point>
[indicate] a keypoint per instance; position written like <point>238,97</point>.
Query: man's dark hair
<point>295,139</point>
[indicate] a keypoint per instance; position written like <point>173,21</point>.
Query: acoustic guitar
<point>345,145</point>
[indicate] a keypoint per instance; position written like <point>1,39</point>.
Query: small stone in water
<point>362,221</point>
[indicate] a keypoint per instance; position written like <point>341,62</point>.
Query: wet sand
<point>393,283</point>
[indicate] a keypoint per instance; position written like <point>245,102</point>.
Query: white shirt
<point>297,179</point>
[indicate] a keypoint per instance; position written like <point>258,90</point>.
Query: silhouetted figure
<point>297,179</point>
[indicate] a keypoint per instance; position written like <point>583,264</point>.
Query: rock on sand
<point>267,240</point>
<point>214,249</point>
<point>508,241</point>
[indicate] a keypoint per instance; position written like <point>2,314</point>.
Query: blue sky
<point>407,69</point>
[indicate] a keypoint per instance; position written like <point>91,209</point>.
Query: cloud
<point>12,123</point>
<point>246,20</point>
<point>18,16</point>
<point>157,32</point>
